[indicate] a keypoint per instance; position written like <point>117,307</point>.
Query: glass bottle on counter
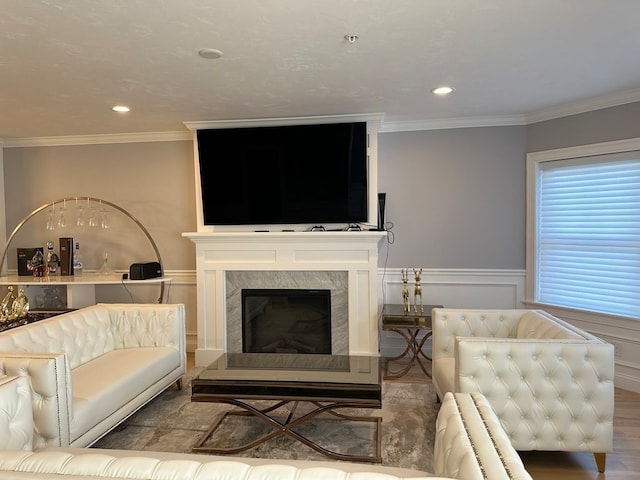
<point>77,260</point>
<point>36,265</point>
<point>52,261</point>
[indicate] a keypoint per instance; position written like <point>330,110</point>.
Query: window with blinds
<point>587,245</point>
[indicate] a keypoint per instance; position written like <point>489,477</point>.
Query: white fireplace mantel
<point>355,252</point>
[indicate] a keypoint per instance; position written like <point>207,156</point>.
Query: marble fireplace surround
<point>336,282</point>
<point>229,261</point>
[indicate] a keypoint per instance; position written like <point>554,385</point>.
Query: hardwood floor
<point>622,464</point>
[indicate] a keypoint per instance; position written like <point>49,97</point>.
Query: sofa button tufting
<point>539,365</point>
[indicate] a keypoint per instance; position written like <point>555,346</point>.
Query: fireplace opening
<point>286,321</point>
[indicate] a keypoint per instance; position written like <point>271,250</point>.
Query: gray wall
<point>152,181</point>
<point>456,198</point>
<point>605,125</point>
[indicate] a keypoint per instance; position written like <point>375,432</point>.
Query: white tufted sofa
<point>470,445</point>
<point>550,383</point>
<point>92,368</point>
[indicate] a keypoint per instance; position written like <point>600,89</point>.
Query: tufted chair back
<point>91,332</point>
<point>471,323</point>
<point>47,375</point>
<point>74,334</point>
<point>144,326</point>
<point>16,417</point>
<point>549,383</point>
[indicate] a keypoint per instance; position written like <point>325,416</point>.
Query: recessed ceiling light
<point>210,53</point>
<point>121,109</point>
<point>442,90</point>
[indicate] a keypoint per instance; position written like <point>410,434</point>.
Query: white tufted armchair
<point>550,383</point>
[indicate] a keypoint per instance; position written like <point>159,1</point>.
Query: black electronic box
<point>142,271</point>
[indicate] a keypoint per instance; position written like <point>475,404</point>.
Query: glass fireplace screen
<point>286,321</point>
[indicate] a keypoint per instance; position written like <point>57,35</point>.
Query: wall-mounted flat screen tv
<point>301,174</point>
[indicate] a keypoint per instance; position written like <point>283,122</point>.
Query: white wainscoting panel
<point>450,288</point>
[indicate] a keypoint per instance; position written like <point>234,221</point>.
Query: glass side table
<point>415,329</point>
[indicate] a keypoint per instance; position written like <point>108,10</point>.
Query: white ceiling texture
<point>65,63</point>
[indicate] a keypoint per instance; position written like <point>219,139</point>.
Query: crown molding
<point>583,106</point>
<point>96,139</point>
<point>603,148</point>
<point>447,123</point>
<point>276,122</point>
<point>572,108</point>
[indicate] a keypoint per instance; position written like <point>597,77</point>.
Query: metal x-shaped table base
<point>287,428</point>
<point>413,350</point>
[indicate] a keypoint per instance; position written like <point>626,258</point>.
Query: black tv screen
<point>314,174</point>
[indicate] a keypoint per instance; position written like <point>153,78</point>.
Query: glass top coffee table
<point>325,383</point>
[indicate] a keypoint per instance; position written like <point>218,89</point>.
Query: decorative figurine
<point>417,291</point>
<point>405,291</point>
<point>20,307</point>
<point>12,308</point>
<point>7,304</point>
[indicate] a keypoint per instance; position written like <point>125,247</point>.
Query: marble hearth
<point>345,262</point>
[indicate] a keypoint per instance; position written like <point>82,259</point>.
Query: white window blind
<point>588,235</point>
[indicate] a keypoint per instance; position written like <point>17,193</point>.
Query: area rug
<point>172,423</point>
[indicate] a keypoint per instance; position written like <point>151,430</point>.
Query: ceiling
<point>65,63</point>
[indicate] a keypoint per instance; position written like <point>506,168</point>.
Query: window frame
<point>534,162</point>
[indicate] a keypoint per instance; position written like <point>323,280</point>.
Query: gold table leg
<point>413,350</point>
<point>287,428</point>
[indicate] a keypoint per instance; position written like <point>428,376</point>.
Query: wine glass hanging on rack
<point>50,216</point>
<point>62,220</point>
<point>58,219</point>
<point>52,222</point>
<point>80,220</point>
